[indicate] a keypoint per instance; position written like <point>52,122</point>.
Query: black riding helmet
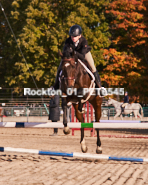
<point>75,30</point>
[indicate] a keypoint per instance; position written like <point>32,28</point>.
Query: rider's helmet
<point>126,92</point>
<point>75,30</point>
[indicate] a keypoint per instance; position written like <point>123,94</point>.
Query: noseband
<point>69,78</point>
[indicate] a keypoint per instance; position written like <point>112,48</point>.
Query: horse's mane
<point>68,52</point>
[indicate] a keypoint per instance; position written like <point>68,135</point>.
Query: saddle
<point>123,107</point>
<point>87,65</point>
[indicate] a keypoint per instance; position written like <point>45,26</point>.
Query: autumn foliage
<point>126,62</point>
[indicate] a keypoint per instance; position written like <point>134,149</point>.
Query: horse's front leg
<point>98,116</point>
<point>79,116</point>
<point>118,114</point>
<point>81,110</point>
<point>66,129</point>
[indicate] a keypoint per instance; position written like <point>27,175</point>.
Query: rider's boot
<point>122,109</point>
<point>97,79</point>
<point>103,91</point>
<point>56,84</point>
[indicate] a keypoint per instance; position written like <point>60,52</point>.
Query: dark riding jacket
<point>126,100</point>
<point>54,110</point>
<point>82,47</point>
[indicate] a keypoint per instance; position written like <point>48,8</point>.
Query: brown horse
<point>76,77</point>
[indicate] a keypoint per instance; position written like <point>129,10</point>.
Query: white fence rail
<point>41,111</point>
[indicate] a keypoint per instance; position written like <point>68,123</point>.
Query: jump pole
<point>73,154</point>
<point>124,136</point>
<point>89,116</point>
<point>118,125</point>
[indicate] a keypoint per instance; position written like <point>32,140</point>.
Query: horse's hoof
<point>99,150</point>
<point>84,148</point>
<point>66,130</point>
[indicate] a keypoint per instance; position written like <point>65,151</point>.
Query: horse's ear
<point>72,46</point>
<point>60,53</point>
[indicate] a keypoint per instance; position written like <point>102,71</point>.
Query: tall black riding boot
<point>122,109</point>
<point>97,79</point>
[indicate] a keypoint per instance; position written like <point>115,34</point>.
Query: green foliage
<point>41,28</point>
<point>5,53</point>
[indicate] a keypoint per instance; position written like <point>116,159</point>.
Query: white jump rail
<point>105,125</point>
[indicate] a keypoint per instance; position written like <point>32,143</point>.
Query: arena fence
<point>106,112</point>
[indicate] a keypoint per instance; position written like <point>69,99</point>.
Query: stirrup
<point>97,79</point>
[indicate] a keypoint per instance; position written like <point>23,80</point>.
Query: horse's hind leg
<point>79,116</point>
<point>97,106</point>
<point>118,114</point>
<point>135,114</point>
<point>121,116</point>
<point>99,148</point>
<point>82,141</point>
<point>139,115</point>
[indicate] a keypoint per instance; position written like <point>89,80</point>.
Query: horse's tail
<point>141,110</point>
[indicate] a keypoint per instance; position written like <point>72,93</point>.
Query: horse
<point>76,76</point>
<point>134,107</point>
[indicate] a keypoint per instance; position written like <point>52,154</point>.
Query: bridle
<point>68,60</point>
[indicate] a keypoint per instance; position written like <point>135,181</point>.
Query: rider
<point>126,101</point>
<point>82,50</point>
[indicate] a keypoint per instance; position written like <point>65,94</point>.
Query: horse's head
<point>69,64</point>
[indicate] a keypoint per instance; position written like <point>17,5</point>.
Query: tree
<point>5,52</point>
<point>125,61</point>
<point>41,27</point>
